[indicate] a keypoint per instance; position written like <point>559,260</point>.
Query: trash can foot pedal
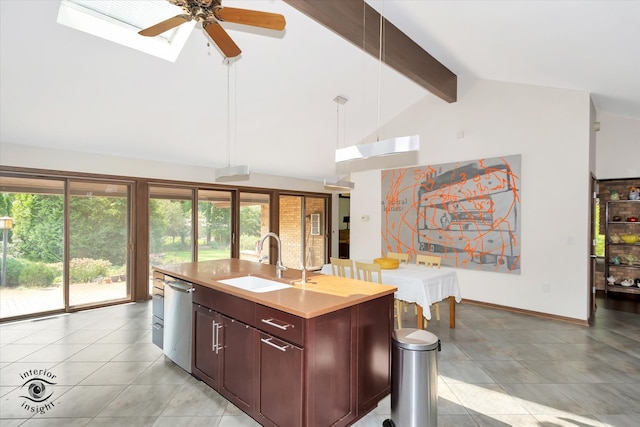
<point>388,423</point>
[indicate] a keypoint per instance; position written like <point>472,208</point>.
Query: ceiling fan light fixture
<point>232,173</point>
<point>340,185</point>
<point>387,147</point>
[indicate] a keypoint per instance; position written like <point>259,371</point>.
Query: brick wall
<point>315,244</point>
<point>291,233</point>
<point>290,211</point>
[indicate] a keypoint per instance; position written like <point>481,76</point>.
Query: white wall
<point>617,147</point>
<point>551,129</point>
<point>41,158</point>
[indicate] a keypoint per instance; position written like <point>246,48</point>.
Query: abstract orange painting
<point>468,213</point>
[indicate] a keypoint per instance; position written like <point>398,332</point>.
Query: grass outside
<point>204,254</point>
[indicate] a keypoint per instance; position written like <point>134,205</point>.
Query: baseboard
<point>528,312</point>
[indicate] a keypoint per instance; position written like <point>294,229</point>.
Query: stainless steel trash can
<point>414,379</point>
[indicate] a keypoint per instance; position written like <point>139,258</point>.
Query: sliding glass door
<point>214,225</point>
<point>170,226</point>
<point>45,269</point>
<point>254,223</point>
<point>99,228</point>
<point>302,224</point>
<point>32,246</point>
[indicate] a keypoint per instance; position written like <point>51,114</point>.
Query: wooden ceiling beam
<point>355,20</point>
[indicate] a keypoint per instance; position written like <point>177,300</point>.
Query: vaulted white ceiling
<point>66,89</point>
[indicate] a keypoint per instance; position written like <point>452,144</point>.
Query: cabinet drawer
<point>229,305</point>
<point>158,281</point>
<point>204,296</point>
<point>158,306</point>
<point>157,331</point>
<point>280,324</point>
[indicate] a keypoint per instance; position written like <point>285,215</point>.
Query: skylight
<point>119,21</point>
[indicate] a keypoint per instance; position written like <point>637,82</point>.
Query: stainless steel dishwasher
<point>178,319</point>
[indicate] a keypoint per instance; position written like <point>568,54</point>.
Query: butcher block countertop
<point>321,294</point>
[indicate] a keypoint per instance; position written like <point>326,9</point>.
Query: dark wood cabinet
<point>375,326</point>
<point>331,371</point>
<point>238,365</point>
<point>207,353</point>
<point>288,371</point>
<point>281,393</point>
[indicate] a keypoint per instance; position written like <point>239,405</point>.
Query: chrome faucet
<point>303,280</point>
<point>279,267</point>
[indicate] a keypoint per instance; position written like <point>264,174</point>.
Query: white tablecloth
<point>419,284</point>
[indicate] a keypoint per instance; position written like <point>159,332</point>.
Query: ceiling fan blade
<point>222,39</point>
<point>166,25</point>
<point>272,21</point>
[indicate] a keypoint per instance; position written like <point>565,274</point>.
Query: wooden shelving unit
<point>628,266</point>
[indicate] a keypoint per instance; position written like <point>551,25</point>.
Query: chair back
<point>429,260</point>
<point>365,269</point>
<point>339,267</point>
<point>397,255</point>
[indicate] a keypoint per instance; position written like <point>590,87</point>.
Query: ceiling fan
<point>210,13</point>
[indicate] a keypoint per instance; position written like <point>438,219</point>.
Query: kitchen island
<point>314,354</point>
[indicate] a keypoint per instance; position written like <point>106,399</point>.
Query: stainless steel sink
<point>255,284</point>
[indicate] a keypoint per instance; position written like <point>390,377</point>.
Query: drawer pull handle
<point>215,336</point>
<point>270,322</point>
<point>268,341</point>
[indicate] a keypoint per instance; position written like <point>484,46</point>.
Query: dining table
<point>421,285</point>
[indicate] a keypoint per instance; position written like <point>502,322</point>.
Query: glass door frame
<point>66,181</point>
<point>130,254</point>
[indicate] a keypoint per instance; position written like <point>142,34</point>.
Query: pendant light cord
<point>337,124</point>
<point>228,113</point>
<point>379,71</point>
<point>229,63</point>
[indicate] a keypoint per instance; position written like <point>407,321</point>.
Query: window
<point>120,21</point>
<point>98,242</point>
<point>214,225</point>
<point>170,227</point>
<point>302,226</point>
<point>69,244</point>
<point>75,240</point>
<point>33,250</point>
<point>254,223</point>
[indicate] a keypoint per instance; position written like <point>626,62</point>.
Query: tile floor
<point>496,368</point>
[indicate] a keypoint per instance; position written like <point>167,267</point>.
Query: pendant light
<point>379,148</point>
<point>231,173</point>
<point>341,183</point>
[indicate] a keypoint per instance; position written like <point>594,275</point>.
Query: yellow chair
<point>339,267</point>
<point>366,270</point>
<point>399,304</point>
<point>429,260</point>
<point>435,262</point>
<point>397,255</point>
